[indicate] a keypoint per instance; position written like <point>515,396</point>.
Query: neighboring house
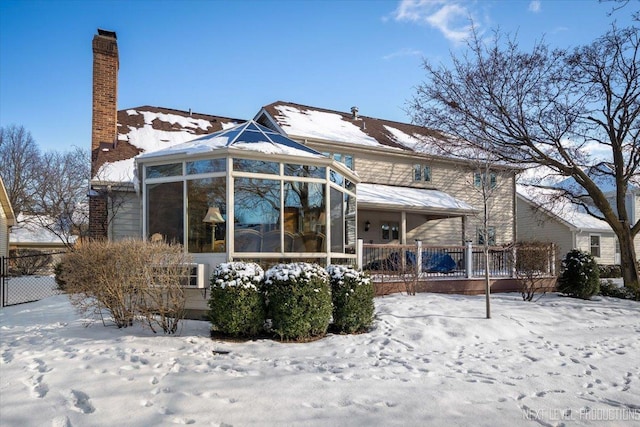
<point>7,220</point>
<point>544,217</point>
<point>29,234</point>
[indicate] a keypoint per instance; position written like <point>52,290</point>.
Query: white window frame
<point>598,245</point>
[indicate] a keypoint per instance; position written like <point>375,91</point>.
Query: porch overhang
<point>434,203</point>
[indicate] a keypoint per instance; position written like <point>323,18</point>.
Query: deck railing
<point>444,261</point>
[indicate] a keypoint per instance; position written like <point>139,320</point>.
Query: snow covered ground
<point>430,360</point>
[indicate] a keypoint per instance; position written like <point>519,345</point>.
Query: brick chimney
<point>104,127</point>
<point>105,92</point>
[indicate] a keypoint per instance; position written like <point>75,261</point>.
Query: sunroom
<point>249,193</point>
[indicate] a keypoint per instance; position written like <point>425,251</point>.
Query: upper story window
<point>422,173</point>
<point>490,236</point>
<point>489,180</point>
<point>345,159</point>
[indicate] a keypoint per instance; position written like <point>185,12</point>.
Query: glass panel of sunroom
<point>306,171</point>
<point>256,166</point>
<point>257,212</point>
<point>350,223</point>
<point>206,166</point>
<point>160,171</point>
<point>164,212</point>
<point>207,214</point>
<point>305,222</point>
<point>337,220</point>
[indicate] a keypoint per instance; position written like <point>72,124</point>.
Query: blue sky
<point>229,58</point>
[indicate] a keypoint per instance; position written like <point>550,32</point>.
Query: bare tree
<point>575,112</point>
<point>622,4</point>
<point>60,202</point>
<point>19,165</point>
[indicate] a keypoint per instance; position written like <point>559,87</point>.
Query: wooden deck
<point>459,285</point>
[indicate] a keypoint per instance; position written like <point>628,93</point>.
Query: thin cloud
<point>451,18</point>
<point>403,52</point>
<point>535,6</point>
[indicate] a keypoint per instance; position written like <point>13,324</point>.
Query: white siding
<point>607,246</point>
<point>4,233</point>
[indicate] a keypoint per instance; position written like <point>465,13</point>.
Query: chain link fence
<point>28,275</point>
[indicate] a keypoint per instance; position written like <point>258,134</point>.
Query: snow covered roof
<point>249,136</point>
<point>6,206</point>
<point>573,215</point>
<point>305,122</point>
<point>429,201</point>
<point>28,232</point>
<point>604,177</point>
<point>147,129</point>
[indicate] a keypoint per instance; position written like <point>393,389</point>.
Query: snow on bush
<point>298,299</point>
<point>352,294</point>
<point>236,303</point>
<point>580,277</point>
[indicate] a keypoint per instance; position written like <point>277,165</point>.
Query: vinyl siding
<point>457,181</point>
<point>126,219</point>
<point>607,246</point>
<point>535,225</point>
<point>4,233</point>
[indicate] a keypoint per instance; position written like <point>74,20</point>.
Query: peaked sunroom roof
<point>249,136</point>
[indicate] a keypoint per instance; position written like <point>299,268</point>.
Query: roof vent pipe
<point>354,113</point>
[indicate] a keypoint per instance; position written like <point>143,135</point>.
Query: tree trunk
<point>487,282</point>
<point>628,259</point>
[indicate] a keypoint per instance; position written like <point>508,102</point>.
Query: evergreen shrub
<point>236,303</point>
<point>610,289</point>
<point>352,295</point>
<point>298,297</point>
<point>580,276</point>
<point>609,271</point>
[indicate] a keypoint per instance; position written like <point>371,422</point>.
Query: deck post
<point>419,256</point>
<point>359,253</point>
<point>468,258</point>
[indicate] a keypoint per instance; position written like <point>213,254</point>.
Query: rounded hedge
<point>236,303</point>
<point>580,276</point>
<point>298,299</point>
<point>352,294</point>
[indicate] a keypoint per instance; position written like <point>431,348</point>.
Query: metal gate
<point>27,278</point>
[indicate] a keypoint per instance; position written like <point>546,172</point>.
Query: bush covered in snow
<point>610,289</point>
<point>580,277</point>
<point>610,271</point>
<point>298,299</point>
<point>236,304</point>
<point>352,294</point>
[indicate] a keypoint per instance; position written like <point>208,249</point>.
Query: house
<point>7,220</point>
<point>543,216</point>
<point>28,233</point>
<point>294,183</point>
<point>434,196</point>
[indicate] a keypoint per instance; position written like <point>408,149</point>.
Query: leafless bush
<point>532,264</point>
<point>128,280</point>
<point>27,262</point>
